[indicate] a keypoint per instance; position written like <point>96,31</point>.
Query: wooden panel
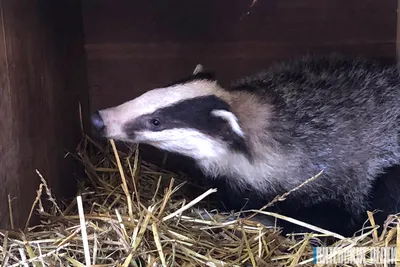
<point>8,148</point>
<point>272,21</point>
<point>134,46</point>
<point>120,72</point>
<point>43,80</point>
<point>398,33</point>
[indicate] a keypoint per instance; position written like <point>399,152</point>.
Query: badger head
<point>191,117</point>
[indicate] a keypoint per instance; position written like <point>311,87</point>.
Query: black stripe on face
<point>192,113</point>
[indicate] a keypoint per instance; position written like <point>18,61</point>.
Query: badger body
<point>270,132</point>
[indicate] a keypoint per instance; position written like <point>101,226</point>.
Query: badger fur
<point>268,133</point>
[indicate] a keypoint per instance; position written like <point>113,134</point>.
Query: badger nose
<point>97,121</point>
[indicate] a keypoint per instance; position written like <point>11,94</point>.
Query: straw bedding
<point>131,213</point>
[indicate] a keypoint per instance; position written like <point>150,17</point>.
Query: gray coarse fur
<point>333,114</point>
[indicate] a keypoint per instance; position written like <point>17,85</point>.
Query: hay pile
<point>130,213</point>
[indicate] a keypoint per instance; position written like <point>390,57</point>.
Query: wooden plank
<point>119,72</point>
<point>211,21</point>
<point>8,149</point>
<point>398,33</point>
<point>133,46</point>
<point>43,46</point>
<point>229,50</point>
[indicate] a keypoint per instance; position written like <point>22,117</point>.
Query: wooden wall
<point>133,46</point>
<point>42,80</point>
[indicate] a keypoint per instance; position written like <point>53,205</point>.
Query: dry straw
<point>131,213</point>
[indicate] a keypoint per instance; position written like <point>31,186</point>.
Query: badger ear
<point>199,68</point>
<point>230,118</point>
<point>200,72</point>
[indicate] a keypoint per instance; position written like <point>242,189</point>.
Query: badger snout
<point>97,122</point>
<point>106,123</point>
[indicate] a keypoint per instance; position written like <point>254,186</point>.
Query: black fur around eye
<point>155,122</point>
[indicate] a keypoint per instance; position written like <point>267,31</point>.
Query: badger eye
<point>155,122</point>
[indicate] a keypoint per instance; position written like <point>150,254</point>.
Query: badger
<point>268,133</point>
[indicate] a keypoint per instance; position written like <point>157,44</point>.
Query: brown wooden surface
<point>398,34</point>
<point>43,78</point>
<point>133,46</point>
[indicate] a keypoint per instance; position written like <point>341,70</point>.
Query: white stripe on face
<point>184,141</point>
<point>114,118</point>
<point>231,119</point>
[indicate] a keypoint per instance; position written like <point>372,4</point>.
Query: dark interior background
<point>133,46</point>
<point>42,82</point>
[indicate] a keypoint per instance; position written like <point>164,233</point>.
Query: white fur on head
<point>185,141</point>
<point>199,68</point>
<point>114,118</point>
<point>231,119</point>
